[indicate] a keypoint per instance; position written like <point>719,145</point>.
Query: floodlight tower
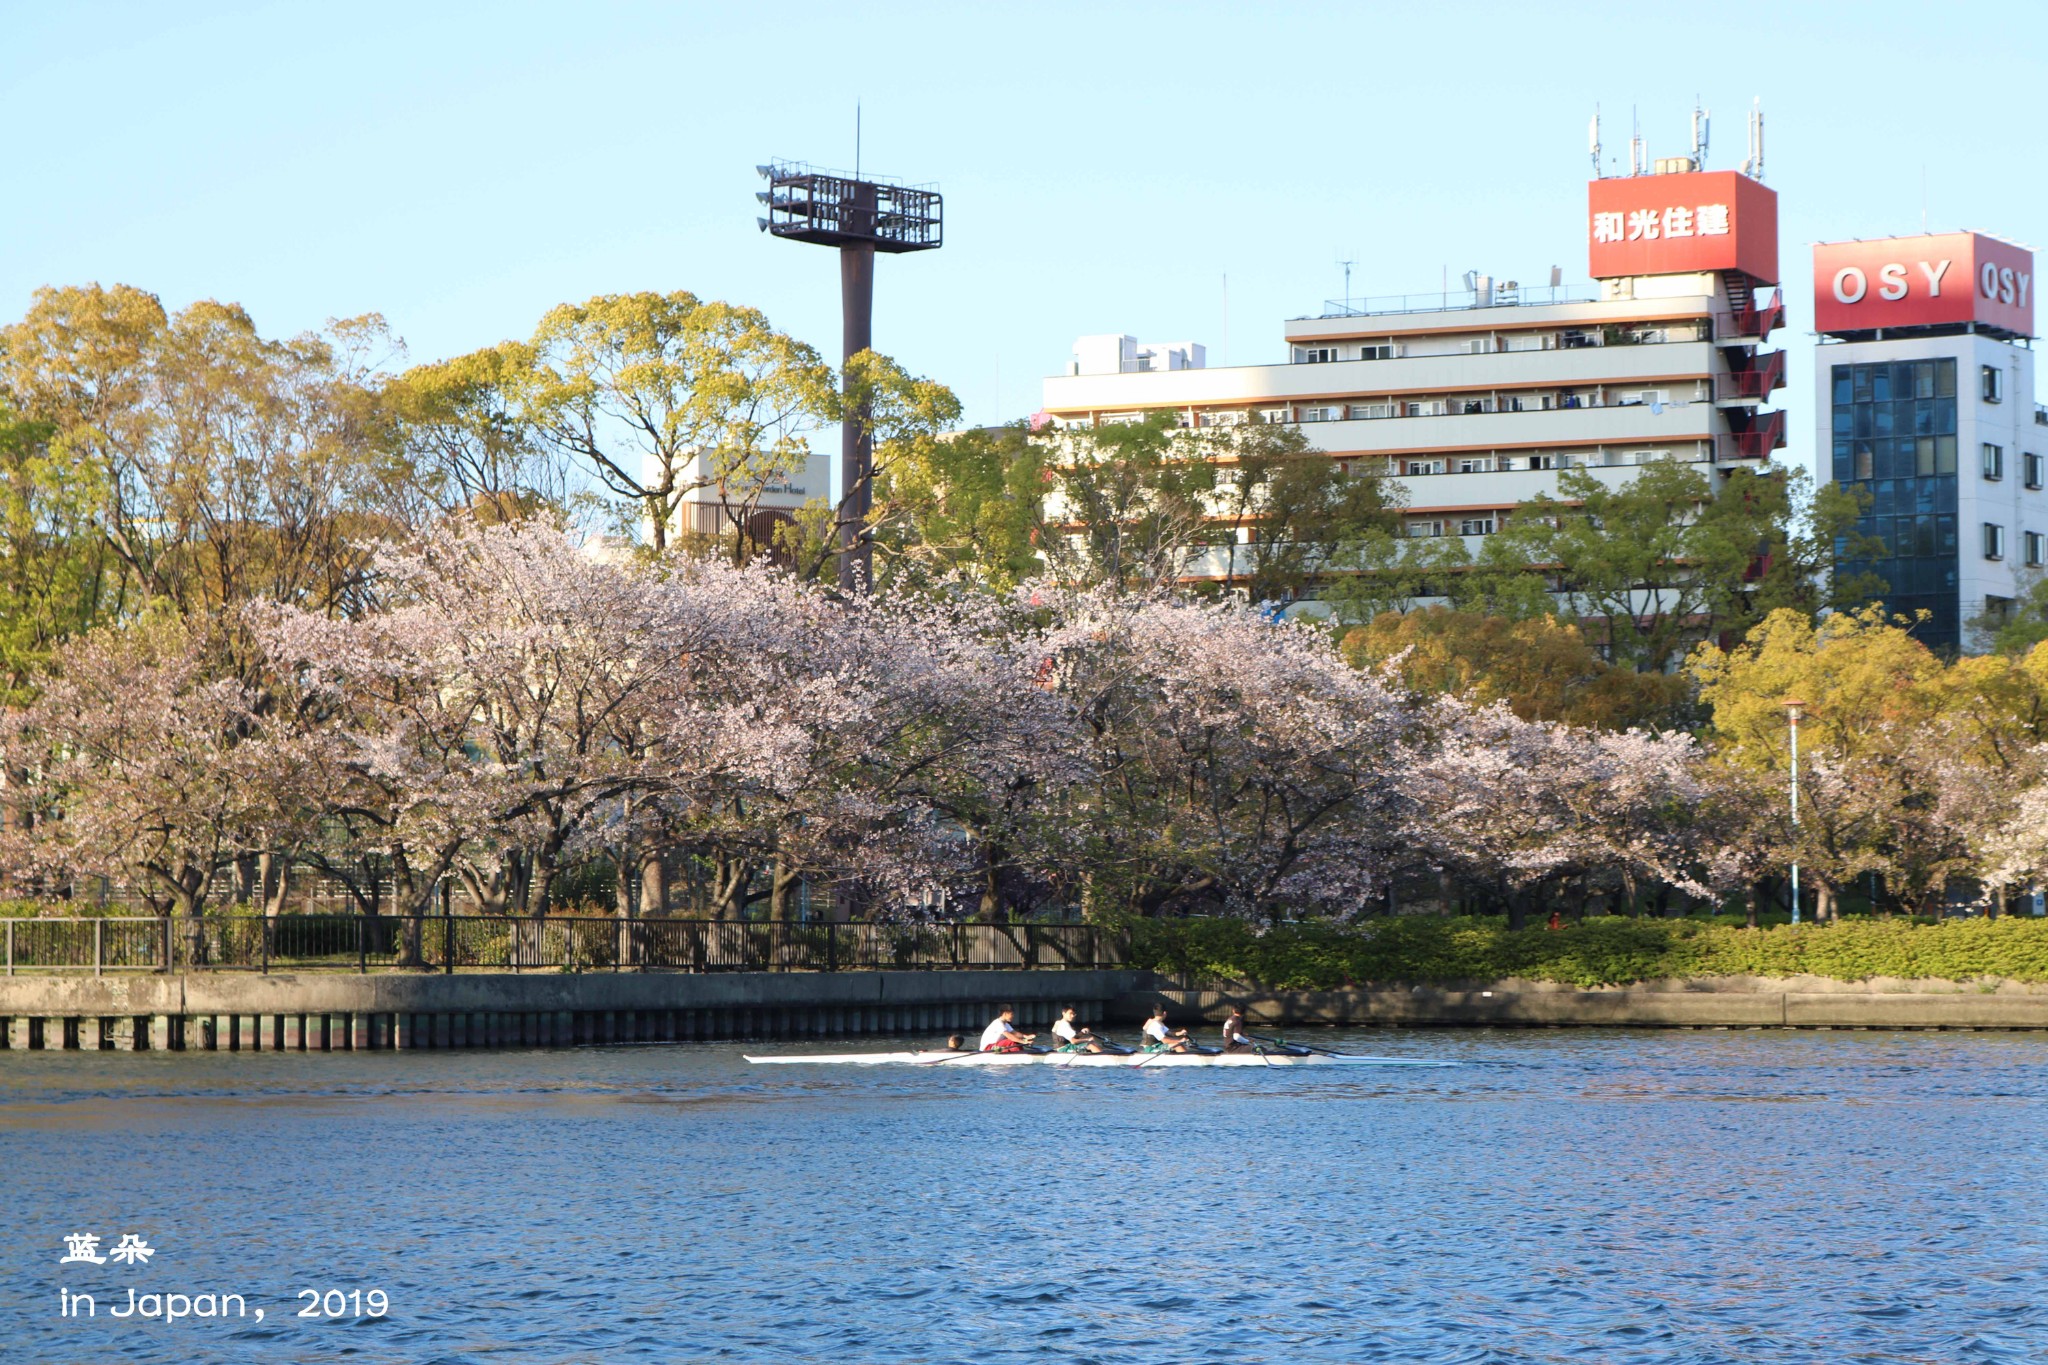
<point>860,217</point>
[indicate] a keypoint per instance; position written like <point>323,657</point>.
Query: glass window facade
<point>1895,437</point>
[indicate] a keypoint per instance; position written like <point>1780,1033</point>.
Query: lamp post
<point>1792,712</point>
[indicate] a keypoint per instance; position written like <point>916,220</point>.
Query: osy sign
<point>1945,278</point>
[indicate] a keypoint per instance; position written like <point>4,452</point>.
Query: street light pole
<point>1792,711</point>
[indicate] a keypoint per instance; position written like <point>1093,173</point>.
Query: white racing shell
<point>1146,1060</point>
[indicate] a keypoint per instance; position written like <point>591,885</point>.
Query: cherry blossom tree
<point>1521,806</point>
<point>1238,762</point>
<point>149,769</point>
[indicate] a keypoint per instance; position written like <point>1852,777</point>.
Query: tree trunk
<point>653,882</point>
<point>990,907</point>
<point>246,878</point>
<point>1518,909</point>
<point>780,879</point>
<point>1749,907</point>
<point>274,875</point>
<point>1823,903</point>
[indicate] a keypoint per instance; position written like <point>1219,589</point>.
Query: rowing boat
<point>1148,1060</point>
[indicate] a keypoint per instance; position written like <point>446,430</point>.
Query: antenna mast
<point>1593,140</point>
<point>1754,167</point>
<point>1635,143</point>
<point>1700,118</point>
<point>1347,277</point>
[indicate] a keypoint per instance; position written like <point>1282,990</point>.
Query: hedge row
<point>1596,952</point>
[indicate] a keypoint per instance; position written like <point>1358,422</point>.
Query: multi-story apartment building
<point>1925,402</point>
<point>1474,402</point>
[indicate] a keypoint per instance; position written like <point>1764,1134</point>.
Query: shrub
<point>1596,952</point>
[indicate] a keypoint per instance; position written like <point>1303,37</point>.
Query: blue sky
<point>461,169</point>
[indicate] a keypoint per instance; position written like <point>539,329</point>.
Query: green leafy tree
<point>58,577</point>
<point>1126,505</point>
<point>1294,515</point>
<point>1656,563</point>
<point>661,395</point>
<point>1543,668</point>
<point>468,447</point>
<point>960,503</point>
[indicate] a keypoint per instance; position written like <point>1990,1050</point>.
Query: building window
<point>1994,461</point>
<point>2031,543</point>
<point>1321,414</point>
<point>1422,467</point>
<point>1381,350</point>
<point>1994,541</point>
<point>1276,415</point>
<point>1550,461</point>
<point>1419,530</point>
<point>1222,419</point>
<point>1476,526</point>
<point>1433,408</point>
<point>1476,464</point>
<point>1994,384</point>
<point>2032,464</point>
<point>1361,412</point>
<point>1314,355</point>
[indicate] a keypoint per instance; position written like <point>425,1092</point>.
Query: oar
<point>1288,1047</point>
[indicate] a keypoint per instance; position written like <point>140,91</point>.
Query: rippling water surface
<point>1563,1196</point>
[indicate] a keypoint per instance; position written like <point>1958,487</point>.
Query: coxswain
<point>1233,1032</point>
<point>1001,1035</point>
<point>1072,1037</point>
<point>957,1043</point>
<point>1160,1038</point>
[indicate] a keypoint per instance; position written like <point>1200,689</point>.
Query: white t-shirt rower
<point>995,1033</point>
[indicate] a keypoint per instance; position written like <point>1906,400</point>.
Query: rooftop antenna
<point>1593,140</point>
<point>1754,167</point>
<point>1635,143</point>
<point>1700,117</point>
<point>1347,276</point>
<point>856,139</point>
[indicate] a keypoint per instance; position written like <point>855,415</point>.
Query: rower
<point>1233,1032</point>
<point>1160,1038</point>
<point>1001,1035</point>
<point>1073,1038</point>
<point>957,1043</point>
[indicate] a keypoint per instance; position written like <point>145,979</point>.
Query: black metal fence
<point>573,943</point>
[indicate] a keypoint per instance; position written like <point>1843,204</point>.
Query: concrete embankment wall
<point>1749,1003</point>
<point>327,1012</point>
<point>223,1011</point>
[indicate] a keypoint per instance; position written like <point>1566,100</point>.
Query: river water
<point>1601,1196</point>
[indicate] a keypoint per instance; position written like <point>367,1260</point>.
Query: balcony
<point>1751,387</point>
<point>1753,325</point>
<point>1755,444</point>
<point>1251,387</point>
<point>1619,424</point>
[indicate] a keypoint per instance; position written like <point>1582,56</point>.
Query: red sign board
<point>1681,225</point>
<point>1943,278</point>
